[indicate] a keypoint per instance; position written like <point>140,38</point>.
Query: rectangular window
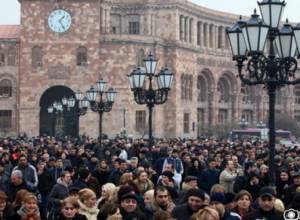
<point>114,30</point>
<point>134,27</point>
<point>140,120</point>
<point>186,123</point>
<point>5,119</point>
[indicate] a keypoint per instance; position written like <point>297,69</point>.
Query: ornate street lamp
<point>150,96</point>
<point>274,68</point>
<point>99,105</point>
<point>243,123</point>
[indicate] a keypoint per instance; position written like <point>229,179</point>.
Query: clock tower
<point>59,54</point>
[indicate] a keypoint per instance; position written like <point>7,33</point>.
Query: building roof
<point>9,31</point>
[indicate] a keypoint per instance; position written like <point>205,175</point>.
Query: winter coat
<point>29,175</point>
<point>209,178</point>
<point>267,215</point>
<point>59,191</point>
<point>12,190</point>
<point>228,215</point>
<point>22,212</point>
<point>182,212</point>
<point>143,187</point>
<point>89,213</point>
<point>227,179</point>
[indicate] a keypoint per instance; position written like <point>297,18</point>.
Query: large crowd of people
<point>47,178</point>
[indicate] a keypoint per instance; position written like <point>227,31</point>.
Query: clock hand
<point>61,19</point>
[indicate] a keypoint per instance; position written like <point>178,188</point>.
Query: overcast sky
<point>10,9</point>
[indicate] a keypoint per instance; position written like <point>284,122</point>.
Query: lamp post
<point>274,67</point>
<point>58,108</point>
<point>100,105</point>
<point>150,96</point>
<point>243,123</point>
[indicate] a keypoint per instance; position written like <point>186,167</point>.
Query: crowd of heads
<point>77,178</point>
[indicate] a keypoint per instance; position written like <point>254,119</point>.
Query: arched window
<point>202,89</point>
<point>37,57</point>
<point>140,58</point>
<point>81,56</point>
<point>11,61</point>
<point>5,88</point>
<point>224,90</point>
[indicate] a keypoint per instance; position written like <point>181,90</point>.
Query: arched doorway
<point>57,124</point>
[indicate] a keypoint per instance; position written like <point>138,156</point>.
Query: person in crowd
<point>57,170</point>
<point>29,172</point>
<point>242,180</point>
<point>59,192</point>
<point>210,176</point>
<point>69,209</point>
<point>4,176</point>
<point>264,175</point>
<point>126,179</point>
<point>162,215</point>
<point>228,176</point>
<point>44,186</point>
<point>206,213</point>
<point>218,201</point>
<point>194,202</point>
<point>121,168</point>
<point>110,211</point>
<point>16,183</point>
<point>17,203</point>
<point>88,204</point>
<point>291,190</point>
<point>278,205</point>
<point>108,194</point>
<point>143,183</point>
<point>295,204</point>
<point>6,210</point>
<point>266,201</point>
<point>83,178</point>
<point>101,173</point>
<point>195,169</point>
<point>253,185</point>
<point>166,180</point>
<point>29,207</point>
<point>190,182</point>
<point>217,188</point>
<point>174,159</point>
<point>129,207</point>
<point>283,183</point>
<point>161,201</point>
<point>243,203</point>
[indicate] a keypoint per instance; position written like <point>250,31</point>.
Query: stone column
<point>191,30</point>
<point>181,29</point>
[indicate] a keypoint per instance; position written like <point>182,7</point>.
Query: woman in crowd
<point>69,209</point>
<point>108,194</point>
<point>206,214</point>
<point>243,203</point>
<point>6,211</point>
<point>110,211</point>
<point>283,183</point>
<point>29,206</point>
<point>88,204</point>
<point>143,183</point>
<point>17,203</point>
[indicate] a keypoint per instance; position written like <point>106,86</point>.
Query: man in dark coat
<point>16,183</point>
<point>266,209</point>
<point>210,176</point>
<point>291,190</point>
<point>194,202</point>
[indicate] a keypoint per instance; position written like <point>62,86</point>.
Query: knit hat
<point>168,174</point>
<point>195,192</point>
<point>128,196</point>
<point>218,197</point>
<point>267,191</point>
<point>190,178</point>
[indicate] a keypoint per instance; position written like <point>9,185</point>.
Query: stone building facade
<point>106,39</point>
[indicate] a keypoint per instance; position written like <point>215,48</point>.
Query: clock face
<point>59,21</point>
